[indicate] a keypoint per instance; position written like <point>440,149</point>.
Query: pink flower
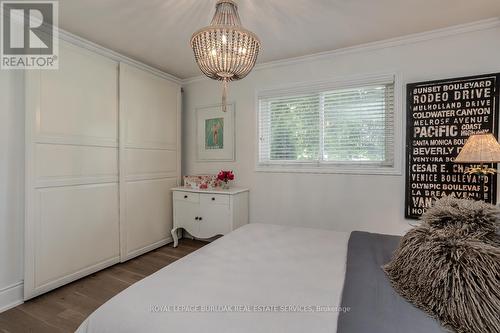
<point>225,176</point>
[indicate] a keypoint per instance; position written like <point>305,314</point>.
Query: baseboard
<point>11,296</point>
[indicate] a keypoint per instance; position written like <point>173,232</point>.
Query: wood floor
<point>63,309</point>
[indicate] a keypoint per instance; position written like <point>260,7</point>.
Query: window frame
<point>365,168</point>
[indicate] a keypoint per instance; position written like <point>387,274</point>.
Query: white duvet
<point>259,278</point>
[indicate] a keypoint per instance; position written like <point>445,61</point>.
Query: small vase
<point>225,185</point>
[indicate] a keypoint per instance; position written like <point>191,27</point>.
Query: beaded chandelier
<point>225,51</point>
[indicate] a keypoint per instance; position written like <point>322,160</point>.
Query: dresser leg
<point>175,237</point>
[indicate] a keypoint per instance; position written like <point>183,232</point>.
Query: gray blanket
<point>374,305</point>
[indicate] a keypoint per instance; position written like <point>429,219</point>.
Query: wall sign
<point>441,115</point>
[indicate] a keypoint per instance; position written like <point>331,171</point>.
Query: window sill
<point>338,169</point>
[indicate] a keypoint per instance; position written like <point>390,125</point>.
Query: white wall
<point>334,201</point>
<point>11,186</point>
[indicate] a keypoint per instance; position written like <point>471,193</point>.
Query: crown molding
<point>487,24</point>
<point>86,44</point>
<point>99,49</point>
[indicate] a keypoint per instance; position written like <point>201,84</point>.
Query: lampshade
<point>480,148</point>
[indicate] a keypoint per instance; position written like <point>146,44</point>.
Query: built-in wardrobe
<point>102,153</point>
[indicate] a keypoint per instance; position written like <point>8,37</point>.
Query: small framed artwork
<point>215,133</point>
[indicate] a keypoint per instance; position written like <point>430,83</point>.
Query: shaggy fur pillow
<point>449,266</point>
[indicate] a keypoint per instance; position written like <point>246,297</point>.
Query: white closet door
<point>72,195</point>
<point>149,159</point>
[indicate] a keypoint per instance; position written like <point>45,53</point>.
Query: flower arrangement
<point>225,177</point>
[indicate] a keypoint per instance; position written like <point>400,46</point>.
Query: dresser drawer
<point>215,199</point>
<point>186,196</point>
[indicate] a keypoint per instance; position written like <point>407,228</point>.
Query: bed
<point>268,278</point>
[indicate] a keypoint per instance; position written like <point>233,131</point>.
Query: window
<point>325,128</point>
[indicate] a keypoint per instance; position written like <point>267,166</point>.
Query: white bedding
<point>257,266</point>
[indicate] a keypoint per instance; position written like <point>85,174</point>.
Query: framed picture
<point>215,133</point>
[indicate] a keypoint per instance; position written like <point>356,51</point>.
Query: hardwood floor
<point>63,309</point>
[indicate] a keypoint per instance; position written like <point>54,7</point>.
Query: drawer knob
<point>196,218</point>
<point>200,218</point>
<point>185,197</point>
<point>213,199</point>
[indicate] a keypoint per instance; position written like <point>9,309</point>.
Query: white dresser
<point>207,213</point>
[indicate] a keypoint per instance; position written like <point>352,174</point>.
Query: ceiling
<point>157,32</point>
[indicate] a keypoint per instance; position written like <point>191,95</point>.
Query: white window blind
<point>328,127</point>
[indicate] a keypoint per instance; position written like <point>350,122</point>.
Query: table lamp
<point>480,149</point>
